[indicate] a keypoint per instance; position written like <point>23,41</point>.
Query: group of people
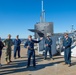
<point>67,41</point>
<point>29,44</point>
<point>8,43</point>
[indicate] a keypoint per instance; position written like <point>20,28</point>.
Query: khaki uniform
<point>8,44</point>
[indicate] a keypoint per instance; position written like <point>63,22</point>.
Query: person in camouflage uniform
<point>8,43</point>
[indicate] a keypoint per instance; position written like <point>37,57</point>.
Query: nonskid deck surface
<point>44,67</point>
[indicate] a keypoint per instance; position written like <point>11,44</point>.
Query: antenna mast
<point>42,17</point>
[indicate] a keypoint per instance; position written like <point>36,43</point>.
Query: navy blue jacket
<point>1,45</point>
<point>31,44</point>
<point>49,42</point>
<point>67,43</point>
<point>17,42</point>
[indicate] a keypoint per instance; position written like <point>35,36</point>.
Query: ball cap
<point>30,36</point>
<point>48,35</point>
<point>65,34</point>
<point>9,35</point>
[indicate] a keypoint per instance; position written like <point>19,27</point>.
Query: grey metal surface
<point>45,27</point>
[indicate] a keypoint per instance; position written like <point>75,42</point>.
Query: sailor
<point>1,47</point>
<point>48,43</point>
<point>17,43</point>
<point>31,52</point>
<point>67,49</point>
<point>8,44</point>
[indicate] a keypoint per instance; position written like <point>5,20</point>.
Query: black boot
<point>70,65</point>
<point>27,67</point>
<point>44,58</point>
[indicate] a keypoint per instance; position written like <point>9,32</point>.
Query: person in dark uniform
<point>31,52</point>
<point>48,43</point>
<point>17,43</point>
<point>67,49</point>
<point>1,47</point>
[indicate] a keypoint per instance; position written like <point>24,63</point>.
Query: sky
<point>17,16</point>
